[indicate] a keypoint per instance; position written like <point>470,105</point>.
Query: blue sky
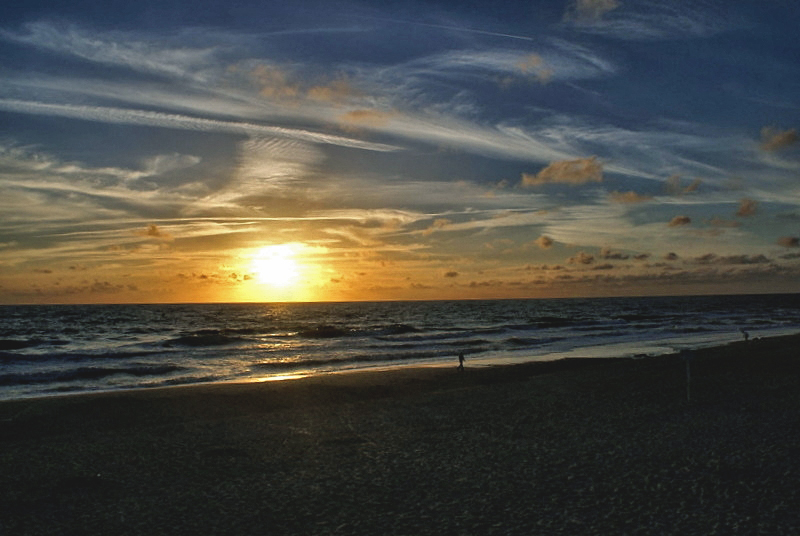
<point>154,151</point>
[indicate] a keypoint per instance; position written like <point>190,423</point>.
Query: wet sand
<point>596,446</point>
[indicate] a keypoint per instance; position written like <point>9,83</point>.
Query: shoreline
<point>591,353</point>
<point>570,446</point>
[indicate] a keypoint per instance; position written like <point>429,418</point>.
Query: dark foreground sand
<point>573,447</point>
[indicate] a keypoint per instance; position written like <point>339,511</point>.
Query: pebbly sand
<point>569,447</point>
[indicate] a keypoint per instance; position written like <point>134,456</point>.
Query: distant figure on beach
<point>460,361</point>
<point>745,334</point>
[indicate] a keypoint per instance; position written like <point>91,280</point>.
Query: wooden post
<point>688,379</point>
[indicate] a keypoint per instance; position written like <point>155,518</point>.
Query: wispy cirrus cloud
<point>644,20</point>
<point>151,55</point>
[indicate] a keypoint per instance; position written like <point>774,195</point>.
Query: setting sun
<point>276,266</point>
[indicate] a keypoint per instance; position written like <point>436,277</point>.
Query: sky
<point>259,151</point>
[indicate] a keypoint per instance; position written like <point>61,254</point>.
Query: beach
<point>577,446</point>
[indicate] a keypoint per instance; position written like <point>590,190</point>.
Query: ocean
<point>56,349</point>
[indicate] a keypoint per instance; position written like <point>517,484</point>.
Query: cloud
<point>774,139</point>
<point>609,254</point>
<point>747,207</point>
<point>671,256</point>
<point>711,258</point>
<point>673,185</point>
<point>338,91</point>
<point>720,222</point>
<point>451,274</point>
<point>578,171</point>
<point>544,242</point>
<point>184,122</point>
<point>368,118</point>
<point>273,82</point>
<point>629,197</point>
<point>789,241</point>
<point>534,64</point>
<point>165,163</point>
<point>439,223</point>
<point>115,48</point>
<point>153,231</point>
<point>589,10</point>
<point>647,20</point>
<point>581,258</point>
<point>679,220</point>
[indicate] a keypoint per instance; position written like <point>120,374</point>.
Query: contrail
<point>183,122</point>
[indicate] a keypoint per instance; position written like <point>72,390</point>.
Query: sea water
<point>51,349</point>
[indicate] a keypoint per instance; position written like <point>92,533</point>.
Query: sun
<point>276,266</point>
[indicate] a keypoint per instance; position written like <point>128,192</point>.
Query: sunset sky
<point>166,151</point>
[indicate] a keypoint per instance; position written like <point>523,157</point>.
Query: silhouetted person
<point>460,361</point>
<point>745,334</point>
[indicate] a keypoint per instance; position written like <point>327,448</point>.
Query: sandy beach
<point>579,446</point>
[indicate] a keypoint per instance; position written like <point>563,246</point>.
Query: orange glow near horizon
<point>279,272</point>
<point>276,266</point>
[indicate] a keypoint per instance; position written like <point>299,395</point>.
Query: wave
<point>323,331</point>
<point>85,373</point>
<point>205,337</point>
<point>11,357</point>
<point>19,344</point>
<point>529,342</point>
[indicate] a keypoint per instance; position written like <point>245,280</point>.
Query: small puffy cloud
<point>628,197</point>
<point>608,253</point>
<point>367,118</point>
<point>544,242</point>
<point>773,139</point>
<point>677,221</point>
<point>451,274</point>
<point>578,171</point>
<point>671,256</point>
<point>274,82</point>
<point>789,241</point>
<point>711,258</point>
<point>719,222</point>
<point>165,163</point>
<point>530,63</point>
<point>534,64</point>
<point>339,90</point>
<point>693,186</point>
<point>747,207</point>
<point>641,256</point>
<point>590,10</point>
<point>153,231</point>
<point>674,185</point>
<point>439,223</point>
<point>581,258</point>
